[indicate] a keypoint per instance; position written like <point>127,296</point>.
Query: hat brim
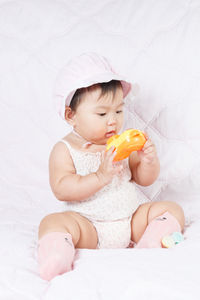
<point>64,100</point>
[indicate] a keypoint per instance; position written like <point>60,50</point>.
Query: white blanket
<point>154,43</point>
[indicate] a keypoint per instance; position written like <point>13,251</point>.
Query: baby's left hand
<point>148,153</point>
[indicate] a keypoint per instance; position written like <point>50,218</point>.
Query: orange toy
<point>127,142</point>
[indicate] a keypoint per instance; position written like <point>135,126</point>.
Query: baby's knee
<point>48,223</point>
<point>177,211</point>
<point>172,207</point>
<point>60,222</point>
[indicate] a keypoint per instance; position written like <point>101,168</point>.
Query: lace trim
<point>98,153</point>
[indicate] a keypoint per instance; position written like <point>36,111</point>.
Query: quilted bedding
<point>154,43</point>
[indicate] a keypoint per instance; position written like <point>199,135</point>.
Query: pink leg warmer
<point>55,254</point>
<point>159,227</point>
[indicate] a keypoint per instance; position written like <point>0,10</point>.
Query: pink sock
<point>163,225</point>
<point>55,254</point>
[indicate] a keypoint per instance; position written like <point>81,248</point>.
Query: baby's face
<point>99,117</point>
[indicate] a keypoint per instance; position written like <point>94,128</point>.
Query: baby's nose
<point>112,120</point>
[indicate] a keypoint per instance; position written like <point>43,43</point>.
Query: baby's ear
<point>69,115</point>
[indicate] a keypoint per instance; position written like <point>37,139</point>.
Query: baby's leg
<point>59,235</point>
<point>152,221</point>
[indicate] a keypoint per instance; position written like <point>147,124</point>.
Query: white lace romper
<point>110,210</point>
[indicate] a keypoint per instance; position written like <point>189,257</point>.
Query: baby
<point>102,207</point>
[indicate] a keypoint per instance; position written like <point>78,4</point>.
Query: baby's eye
<point>119,111</point>
<point>102,114</point>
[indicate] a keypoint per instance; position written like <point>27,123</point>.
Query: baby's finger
<point>146,135</point>
<point>108,157</point>
<point>110,152</point>
<point>149,149</point>
<point>111,156</point>
<point>148,144</point>
<point>149,159</point>
<point>111,149</point>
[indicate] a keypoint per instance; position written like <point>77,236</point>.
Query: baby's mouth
<point>110,133</point>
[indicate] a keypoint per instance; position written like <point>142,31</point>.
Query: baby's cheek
<point>97,132</point>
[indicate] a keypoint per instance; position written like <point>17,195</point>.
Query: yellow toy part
<point>167,242</point>
<point>170,241</point>
<point>127,142</point>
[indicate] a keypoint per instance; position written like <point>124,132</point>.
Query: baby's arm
<point>144,164</point>
<point>69,186</point>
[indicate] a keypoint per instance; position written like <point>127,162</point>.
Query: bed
<point>155,44</point>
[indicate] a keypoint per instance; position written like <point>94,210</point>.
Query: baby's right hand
<point>108,168</point>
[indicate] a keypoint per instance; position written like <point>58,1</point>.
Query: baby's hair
<point>106,87</point>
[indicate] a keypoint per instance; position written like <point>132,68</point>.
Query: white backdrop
<point>154,43</point>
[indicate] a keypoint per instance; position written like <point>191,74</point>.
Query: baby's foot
<point>158,228</point>
<point>55,254</point>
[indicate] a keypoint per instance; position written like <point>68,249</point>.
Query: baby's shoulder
<point>60,161</point>
<point>71,141</point>
<point>63,144</point>
<point>60,152</point>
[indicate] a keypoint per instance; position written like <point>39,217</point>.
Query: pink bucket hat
<point>83,71</point>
